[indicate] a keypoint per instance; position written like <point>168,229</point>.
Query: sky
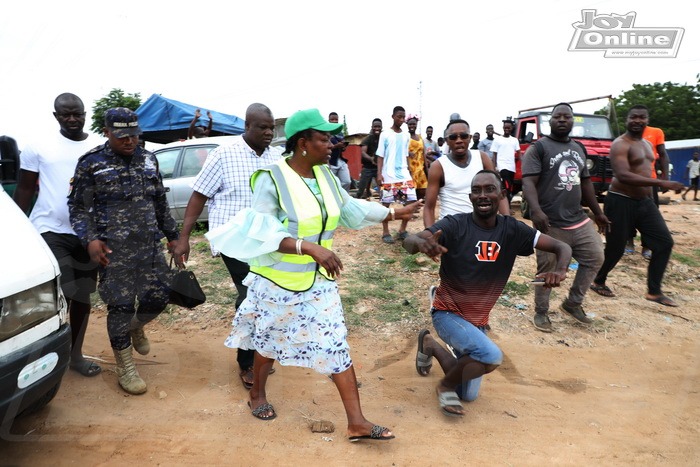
<point>484,60</point>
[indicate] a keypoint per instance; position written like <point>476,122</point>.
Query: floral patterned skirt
<point>304,329</point>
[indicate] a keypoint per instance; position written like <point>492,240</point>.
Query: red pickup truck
<point>592,131</point>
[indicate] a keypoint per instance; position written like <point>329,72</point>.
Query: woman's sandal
<point>375,434</point>
<point>263,408</point>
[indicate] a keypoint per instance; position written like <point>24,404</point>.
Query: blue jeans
<point>466,340</point>
<point>343,173</point>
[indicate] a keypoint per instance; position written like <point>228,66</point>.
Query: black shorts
<point>694,182</point>
<point>78,275</point>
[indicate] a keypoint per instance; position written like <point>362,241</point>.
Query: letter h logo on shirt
<point>487,251</point>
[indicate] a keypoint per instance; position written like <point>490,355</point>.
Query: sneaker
<point>576,312</point>
<point>542,322</point>
<point>431,294</point>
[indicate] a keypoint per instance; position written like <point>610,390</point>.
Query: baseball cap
<point>122,122</point>
<point>309,119</point>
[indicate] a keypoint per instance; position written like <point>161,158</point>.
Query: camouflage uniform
<point>121,201</point>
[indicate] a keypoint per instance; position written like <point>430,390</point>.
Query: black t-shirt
<point>478,262</point>
<point>372,142</point>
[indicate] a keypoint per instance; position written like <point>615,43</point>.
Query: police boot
<point>138,337</point>
<point>129,378</point>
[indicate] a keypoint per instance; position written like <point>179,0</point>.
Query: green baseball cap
<point>309,119</point>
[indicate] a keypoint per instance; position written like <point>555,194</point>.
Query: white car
<point>179,164</point>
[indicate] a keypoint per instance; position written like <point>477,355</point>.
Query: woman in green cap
<point>293,312</point>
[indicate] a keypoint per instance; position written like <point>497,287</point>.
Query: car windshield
<point>585,126</point>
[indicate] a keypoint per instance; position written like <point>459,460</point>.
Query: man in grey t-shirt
<point>555,181</point>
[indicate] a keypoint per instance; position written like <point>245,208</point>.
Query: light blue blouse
<point>255,233</point>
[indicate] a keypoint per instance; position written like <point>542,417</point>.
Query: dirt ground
<point>622,391</point>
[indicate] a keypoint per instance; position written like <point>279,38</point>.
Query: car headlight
<point>23,310</point>
<point>590,164</point>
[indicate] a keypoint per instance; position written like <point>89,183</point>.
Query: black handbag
<point>185,290</point>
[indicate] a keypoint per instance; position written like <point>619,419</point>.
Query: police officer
<point>119,211</point>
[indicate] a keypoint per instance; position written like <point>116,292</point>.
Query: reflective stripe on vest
<point>304,220</point>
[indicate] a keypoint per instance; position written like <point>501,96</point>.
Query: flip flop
<point>375,434</point>
<point>243,374</point>
<point>249,384</point>
<point>602,290</point>
<point>449,399</point>
<point>259,410</point>
<point>86,368</point>
<point>388,239</point>
<point>663,300</point>
<point>423,361</point>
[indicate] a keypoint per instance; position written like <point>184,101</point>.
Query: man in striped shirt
<point>476,252</point>
<point>224,181</point>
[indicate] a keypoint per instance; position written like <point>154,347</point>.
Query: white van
<point>35,336</point>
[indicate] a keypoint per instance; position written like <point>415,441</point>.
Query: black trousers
<point>627,214</point>
<point>365,183</point>
<point>238,270</point>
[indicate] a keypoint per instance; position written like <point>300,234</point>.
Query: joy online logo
<point>616,35</point>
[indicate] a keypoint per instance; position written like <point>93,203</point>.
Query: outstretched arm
<point>425,242</point>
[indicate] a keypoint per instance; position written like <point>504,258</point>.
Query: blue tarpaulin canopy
<point>165,120</point>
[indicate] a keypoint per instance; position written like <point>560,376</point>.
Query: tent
<point>165,120</point>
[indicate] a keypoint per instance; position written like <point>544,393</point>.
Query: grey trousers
<point>586,248</point>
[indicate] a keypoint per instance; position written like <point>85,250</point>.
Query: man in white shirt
<point>51,161</point>
<point>506,150</point>
<point>225,181</point>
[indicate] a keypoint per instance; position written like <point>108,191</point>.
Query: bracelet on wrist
<point>299,240</point>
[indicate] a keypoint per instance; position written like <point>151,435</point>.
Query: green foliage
<point>115,98</point>
<point>199,229</point>
<point>672,107</point>
<point>686,259</point>
<point>387,290</point>
<point>516,289</point>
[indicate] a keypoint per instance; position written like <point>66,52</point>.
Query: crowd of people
<point>272,219</point>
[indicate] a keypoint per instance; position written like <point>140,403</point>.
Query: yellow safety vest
<point>305,219</point>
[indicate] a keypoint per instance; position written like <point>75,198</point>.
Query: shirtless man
<point>629,205</point>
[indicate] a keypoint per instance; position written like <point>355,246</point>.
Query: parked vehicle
<point>179,164</point>
<point>592,131</point>
<point>35,336</point>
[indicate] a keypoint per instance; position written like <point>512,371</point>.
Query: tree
<point>115,98</point>
<point>672,107</point>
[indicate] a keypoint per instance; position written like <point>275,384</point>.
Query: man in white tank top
<point>450,176</point>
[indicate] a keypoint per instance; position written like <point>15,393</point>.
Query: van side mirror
<point>528,137</point>
<point>9,159</point>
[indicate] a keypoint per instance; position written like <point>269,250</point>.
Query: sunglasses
<point>454,136</point>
